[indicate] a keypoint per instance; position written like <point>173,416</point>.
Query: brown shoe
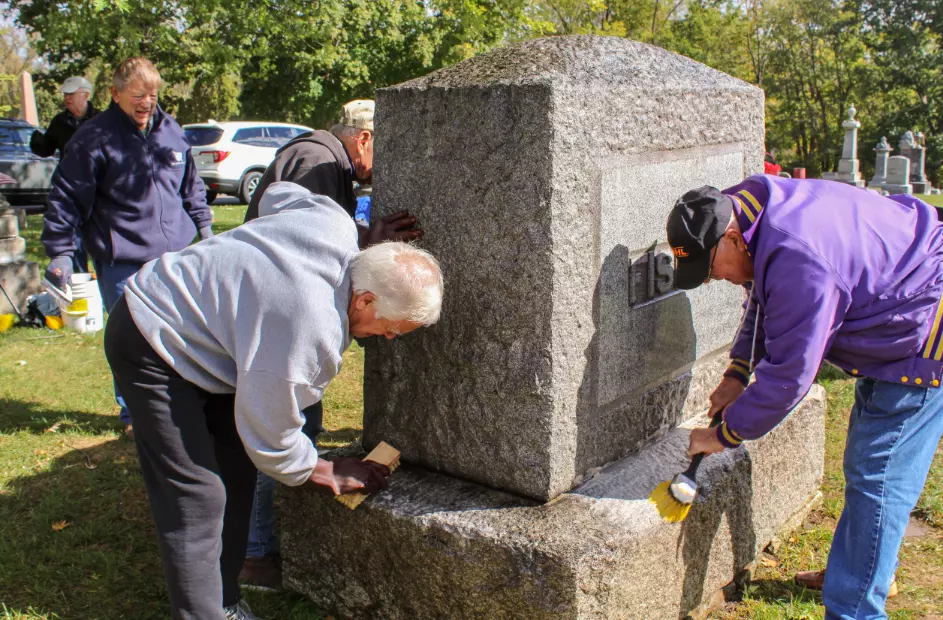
<point>815,579</point>
<point>811,579</point>
<point>264,573</point>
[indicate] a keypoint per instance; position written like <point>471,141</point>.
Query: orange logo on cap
<point>679,252</point>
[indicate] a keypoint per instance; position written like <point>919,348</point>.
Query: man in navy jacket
<point>128,185</point>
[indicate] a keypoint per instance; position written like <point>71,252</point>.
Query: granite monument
<point>556,391</point>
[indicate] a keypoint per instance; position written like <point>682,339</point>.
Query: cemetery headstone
<point>19,277</point>
<point>848,165</point>
<point>882,151</point>
<point>912,147</point>
<point>566,366</point>
<point>898,174</point>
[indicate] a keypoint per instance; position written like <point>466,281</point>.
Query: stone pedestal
<point>918,177</point>
<point>848,165</point>
<point>543,174</point>
<point>898,173</point>
<point>433,547</point>
<point>912,148</point>
<point>882,151</point>
<point>19,277</point>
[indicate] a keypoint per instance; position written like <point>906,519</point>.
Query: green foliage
<point>298,60</point>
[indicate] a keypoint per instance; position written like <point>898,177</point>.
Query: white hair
<point>407,281</point>
<point>346,132</point>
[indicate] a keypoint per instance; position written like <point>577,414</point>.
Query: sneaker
<point>262,573</point>
<point>815,579</point>
<point>239,611</point>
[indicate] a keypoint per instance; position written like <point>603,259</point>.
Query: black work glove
<point>349,474</point>
<point>59,272</point>
<point>400,226</point>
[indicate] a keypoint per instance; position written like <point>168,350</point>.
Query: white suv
<point>231,157</point>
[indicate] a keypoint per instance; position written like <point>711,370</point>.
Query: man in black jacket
<point>329,163</point>
<point>78,109</point>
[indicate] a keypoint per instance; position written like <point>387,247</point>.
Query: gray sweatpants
<point>199,480</point>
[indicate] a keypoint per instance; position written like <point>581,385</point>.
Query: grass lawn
<point>936,201</point>
<point>76,540</point>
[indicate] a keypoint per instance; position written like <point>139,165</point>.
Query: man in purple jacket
<point>839,274</point>
<point>128,185</point>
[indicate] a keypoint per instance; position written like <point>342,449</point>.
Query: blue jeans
<point>262,539</point>
<point>111,282</point>
<point>892,436</point>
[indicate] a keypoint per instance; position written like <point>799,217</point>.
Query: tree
<point>905,40</point>
<point>817,67</point>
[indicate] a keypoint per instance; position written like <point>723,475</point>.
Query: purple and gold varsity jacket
<point>840,274</point>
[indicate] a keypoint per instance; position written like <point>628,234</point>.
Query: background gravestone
<point>18,276</point>
<point>898,175</point>
<point>542,174</point>
<point>882,151</point>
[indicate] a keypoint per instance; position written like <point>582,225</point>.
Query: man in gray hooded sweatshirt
<point>217,348</point>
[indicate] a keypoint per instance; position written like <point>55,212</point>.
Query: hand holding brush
<point>675,497</point>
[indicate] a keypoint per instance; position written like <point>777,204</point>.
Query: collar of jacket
<point>330,142</point>
<point>128,123</point>
<point>748,211</point>
<point>90,111</point>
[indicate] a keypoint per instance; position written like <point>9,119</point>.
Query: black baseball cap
<point>695,225</point>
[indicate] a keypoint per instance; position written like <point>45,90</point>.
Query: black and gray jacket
<point>316,161</point>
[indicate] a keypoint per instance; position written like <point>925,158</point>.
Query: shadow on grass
<point>77,540</point>
<point>339,437</point>
<point>777,592</point>
<point>17,415</point>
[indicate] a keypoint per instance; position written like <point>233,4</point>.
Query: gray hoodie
<point>261,311</point>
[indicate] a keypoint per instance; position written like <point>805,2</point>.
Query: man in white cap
<point>330,163</point>
<point>76,92</point>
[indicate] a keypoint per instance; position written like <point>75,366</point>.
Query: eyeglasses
<point>710,267</point>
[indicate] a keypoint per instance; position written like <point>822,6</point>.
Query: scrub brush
<point>384,454</point>
<point>675,497</point>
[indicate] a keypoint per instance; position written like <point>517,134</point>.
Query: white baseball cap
<point>75,83</point>
<point>358,114</point>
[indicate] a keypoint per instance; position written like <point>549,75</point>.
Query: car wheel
<point>249,183</point>
<point>211,196</point>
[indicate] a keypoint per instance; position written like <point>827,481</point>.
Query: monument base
<point>20,279</point>
<point>921,187</point>
<point>433,546</point>
<point>841,177</point>
<point>892,189</point>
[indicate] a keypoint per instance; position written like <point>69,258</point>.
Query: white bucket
<point>85,314</point>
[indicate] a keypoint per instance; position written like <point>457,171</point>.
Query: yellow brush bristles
<point>669,508</point>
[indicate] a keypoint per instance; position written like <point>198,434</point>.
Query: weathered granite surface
<point>433,546</point>
<point>542,174</point>
<point>19,277</point>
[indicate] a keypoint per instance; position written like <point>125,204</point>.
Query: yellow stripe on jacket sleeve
<point>752,200</point>
<point>933,333</point>
<point>730,436</point>
<point>744,208</point>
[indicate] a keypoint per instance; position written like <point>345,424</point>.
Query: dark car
<point>33,174</point>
